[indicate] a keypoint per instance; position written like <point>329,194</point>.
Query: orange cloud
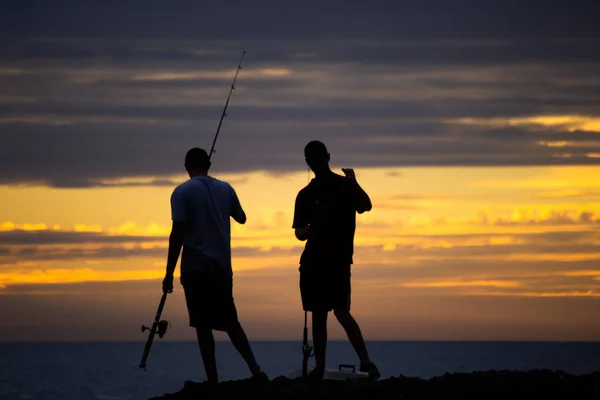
<point>569,123</point>
<point>569,193</point>
<point>249,73</point>
<point>72,276</point>
<point>126,229</point>
<point>589,293</point>
<point>537,216</point>
<point>450,284</point>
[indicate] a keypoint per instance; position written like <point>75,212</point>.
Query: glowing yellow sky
<point>454,233</point>
<point>411,206</point>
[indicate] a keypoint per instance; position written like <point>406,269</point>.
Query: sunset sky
<point>474,127</point>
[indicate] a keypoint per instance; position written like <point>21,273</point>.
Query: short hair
<point>197,158</point>
<point>315,150</point>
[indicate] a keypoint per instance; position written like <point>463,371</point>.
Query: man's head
<point>197,161</point>
<point>316,156</point>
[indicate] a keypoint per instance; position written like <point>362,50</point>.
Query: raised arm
<point>361,198</point>
<point>363,201</point>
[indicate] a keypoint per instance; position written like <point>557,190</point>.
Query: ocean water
<point>109,371</point>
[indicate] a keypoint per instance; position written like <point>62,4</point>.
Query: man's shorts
<point>209,301</point>
<point>325,287</point>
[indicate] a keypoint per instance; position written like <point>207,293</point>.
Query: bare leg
<point>240,342</point>
<point>319,333</point>
<point>206,341</point>
<point>354,334</point>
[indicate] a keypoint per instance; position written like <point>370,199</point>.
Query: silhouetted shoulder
<point>220,183</point>
<point>228,185</point>
<point>182,187</point>
<point>306,189</point>
<point>302,192</point>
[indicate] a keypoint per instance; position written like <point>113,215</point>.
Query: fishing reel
<point>308,351</point>
<point>161,328</point>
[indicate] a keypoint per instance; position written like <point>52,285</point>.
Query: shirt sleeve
<point>301,218</point>
<point>237,212</point>
<point>178,212</point>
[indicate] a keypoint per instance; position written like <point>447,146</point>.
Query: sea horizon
<point>295,340</point>
<point>110,369</point>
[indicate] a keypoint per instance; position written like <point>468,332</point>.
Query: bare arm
<point>179,216</point>
<point>363,201</point>
<point>175,243</point>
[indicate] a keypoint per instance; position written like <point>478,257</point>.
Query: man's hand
<point>349,172</point>
<point>167,284</point>
<point>303,233</point>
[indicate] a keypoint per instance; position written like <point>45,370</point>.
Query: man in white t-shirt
<point>201,209</point>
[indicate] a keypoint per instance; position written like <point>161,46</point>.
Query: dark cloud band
<point>80,104</point>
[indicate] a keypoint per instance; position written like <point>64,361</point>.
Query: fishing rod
<point>160,327</point>
<point>307,351</point>
<point>224,114</point>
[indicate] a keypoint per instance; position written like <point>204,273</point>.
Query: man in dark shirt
<point>325,217</point>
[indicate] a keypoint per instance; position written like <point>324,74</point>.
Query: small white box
<point>344,372</point>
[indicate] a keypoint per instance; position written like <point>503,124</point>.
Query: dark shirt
<point>329,205</point>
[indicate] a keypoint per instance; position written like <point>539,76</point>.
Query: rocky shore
<point>485,385</point>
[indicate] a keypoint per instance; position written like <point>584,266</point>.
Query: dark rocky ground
<point>537,384</point>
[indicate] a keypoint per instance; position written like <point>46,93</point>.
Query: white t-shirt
<point>206,204</point>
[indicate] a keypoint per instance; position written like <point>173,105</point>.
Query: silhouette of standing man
<point>325,217</point>
<point>201,209</point>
